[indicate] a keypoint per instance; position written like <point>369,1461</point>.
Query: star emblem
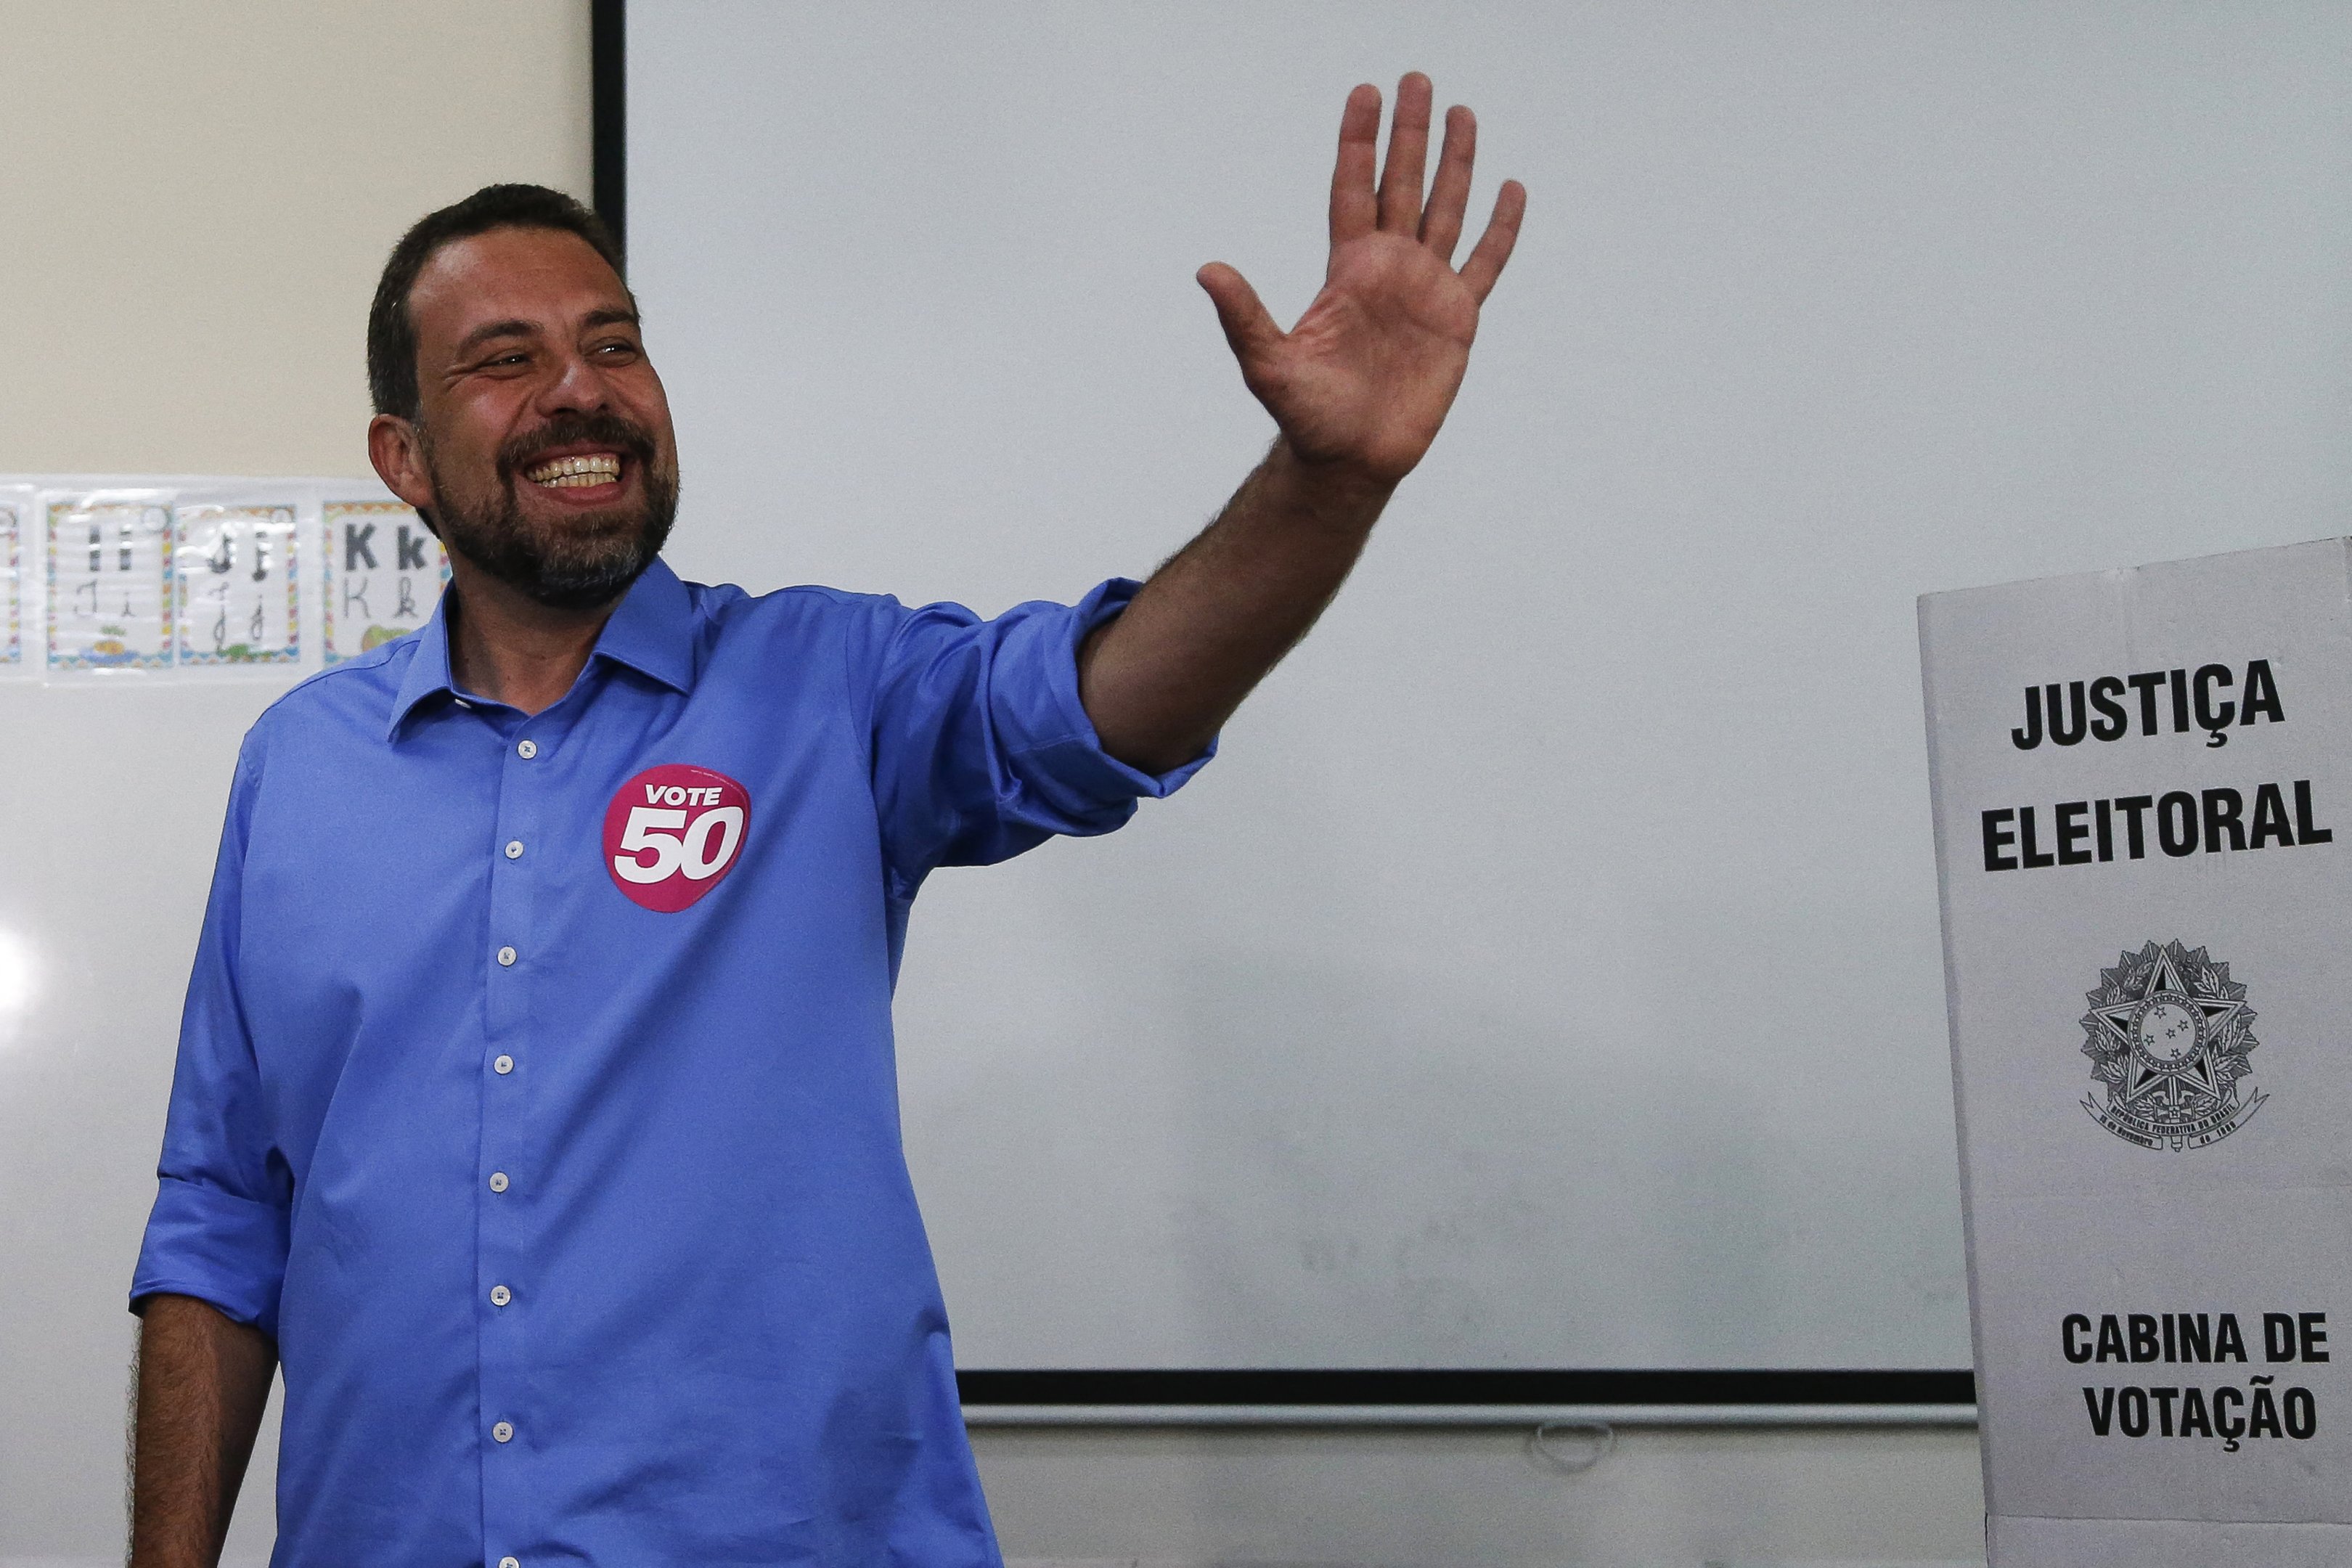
<point>2167,1034</point>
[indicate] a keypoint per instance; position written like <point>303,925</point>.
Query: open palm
<point>1366,377</point>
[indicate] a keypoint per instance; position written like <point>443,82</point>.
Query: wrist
<point>1335,490</point>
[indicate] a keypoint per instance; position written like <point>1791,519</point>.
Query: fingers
<point>1249,329</point>
<point>1441,224</point>
<point>1408,156</point>
<point>1357,209</point>
<point>1485,263</point>
<point>1354,209</point>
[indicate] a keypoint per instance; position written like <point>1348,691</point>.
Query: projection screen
<point>1545,975</point>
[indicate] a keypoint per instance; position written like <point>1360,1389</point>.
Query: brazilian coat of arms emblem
<point>2169,1035</point>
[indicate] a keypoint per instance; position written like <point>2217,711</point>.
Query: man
<point>566,1182</point>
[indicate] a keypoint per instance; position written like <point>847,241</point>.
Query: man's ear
<point>397,451</point>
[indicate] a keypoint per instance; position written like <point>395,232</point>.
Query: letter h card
<point>2142,779</point>
<point>19,510</point>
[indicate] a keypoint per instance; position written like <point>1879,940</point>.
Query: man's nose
<point>574,388</point>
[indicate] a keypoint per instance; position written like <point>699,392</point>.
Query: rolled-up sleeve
<point>980,748</point>
<point>218,1230</point>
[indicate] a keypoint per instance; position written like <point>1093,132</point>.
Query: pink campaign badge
<point>671,833</point>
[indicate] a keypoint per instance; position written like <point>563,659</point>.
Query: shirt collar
<point>651,632</point>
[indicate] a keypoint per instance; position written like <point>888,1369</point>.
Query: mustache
<point>606,429</point>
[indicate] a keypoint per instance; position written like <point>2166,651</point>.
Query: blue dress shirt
<point>551,1129</point>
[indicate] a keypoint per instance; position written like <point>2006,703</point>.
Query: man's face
<point>545,437</point>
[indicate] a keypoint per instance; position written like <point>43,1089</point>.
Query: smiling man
<point>565,1183</point>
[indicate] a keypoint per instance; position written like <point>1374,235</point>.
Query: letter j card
<point>234,568</point>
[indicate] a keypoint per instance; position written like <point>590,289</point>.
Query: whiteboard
<point>1546,973</point>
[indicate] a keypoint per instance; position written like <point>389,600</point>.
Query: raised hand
<point>1359,387</point>
<point>1364,380</point>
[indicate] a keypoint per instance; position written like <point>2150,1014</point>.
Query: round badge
<point>672,832</point>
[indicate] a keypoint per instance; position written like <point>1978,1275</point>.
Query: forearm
<point>204,1383</point>
<point>1160,680</point>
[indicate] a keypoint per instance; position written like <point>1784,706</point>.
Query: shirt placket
<point>511,1167</point>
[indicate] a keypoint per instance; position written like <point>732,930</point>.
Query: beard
<point>583,565</point>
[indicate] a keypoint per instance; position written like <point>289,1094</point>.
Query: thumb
<point>1249,329</point>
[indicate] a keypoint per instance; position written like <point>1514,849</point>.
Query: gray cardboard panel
<point>2140,777</point>
<point>2029,1542</point>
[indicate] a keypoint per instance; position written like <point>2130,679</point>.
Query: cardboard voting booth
<point>2143,803</point>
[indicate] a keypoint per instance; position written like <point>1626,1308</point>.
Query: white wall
<point>193,204</point>
<point>1665,1498</point>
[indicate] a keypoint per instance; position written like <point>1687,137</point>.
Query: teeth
<point>575,473</point>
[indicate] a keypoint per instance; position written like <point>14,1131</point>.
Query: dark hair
<point>391,334</point>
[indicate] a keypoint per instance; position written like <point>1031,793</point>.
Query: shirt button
<point>507,957</point>
<point>526,749</point>
<point>503,1065</point>
<point>498,1181</point>
<point>514,848</point>
<point>500,1295</point>
<point>509,1562</point>
<point>503,1431</point>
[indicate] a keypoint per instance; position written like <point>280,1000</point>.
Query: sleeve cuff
<point>216,1246</point>
<point>1060,756</point>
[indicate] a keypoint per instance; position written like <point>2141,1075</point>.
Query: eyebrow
<point>513,327</point>
<point>516,327</point>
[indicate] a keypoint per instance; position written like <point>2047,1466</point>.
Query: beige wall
<point>197,199</point>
